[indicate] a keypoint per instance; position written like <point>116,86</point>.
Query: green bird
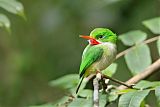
<point>99,54</point>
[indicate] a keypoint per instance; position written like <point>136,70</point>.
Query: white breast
<point>107,57</point>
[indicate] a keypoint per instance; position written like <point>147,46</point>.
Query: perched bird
<point>99,54</point>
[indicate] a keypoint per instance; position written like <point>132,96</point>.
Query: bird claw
<point>106,81</point>
<point>109,87</point>
<point>98,76</point>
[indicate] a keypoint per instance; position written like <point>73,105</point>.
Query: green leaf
<point>132,99</point>
<point>102,100</point>
<point>153,25</point>
<point>158,46</point>
<point>85,93</point>
<point>66,82</point>
<point>146,84</point>
<point>4,22</point>
<point>61,102</point>
<point>113,95</point>
<point>13,6</point>
<point>138,58</point>
<point>133,37</point>
<point>125,91</point>
<point>111,70</point>
<point>81,102</point>
<point>157,93</point>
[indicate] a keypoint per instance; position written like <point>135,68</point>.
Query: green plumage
<point>91,54</point>
<point>98,57</point>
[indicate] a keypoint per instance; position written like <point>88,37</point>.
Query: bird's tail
<point>79,84</point>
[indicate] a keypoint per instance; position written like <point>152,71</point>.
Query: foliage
<point>11,6</point>
<point>63,81</point>
<point>46,47</point>
<point>157,93</point>
<point>111,70</point>
<point>81,102</point>
<point>158,46</point>
<point>132,99</point>
<point>139,54</point>
<point>137,59</point>
<point>153,25</point>
<point>133,37</point>
<point>4,21</point>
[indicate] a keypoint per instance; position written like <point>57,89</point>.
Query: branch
<point>117,81</point>
<point>142,75</point>
<point>96,90</point>
<point>144,42</point>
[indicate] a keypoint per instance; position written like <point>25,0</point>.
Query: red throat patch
<point>93,42</point>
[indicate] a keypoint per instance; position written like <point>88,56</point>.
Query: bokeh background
<point>47,45</point>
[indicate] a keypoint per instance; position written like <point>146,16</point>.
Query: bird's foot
<point>98,75</point>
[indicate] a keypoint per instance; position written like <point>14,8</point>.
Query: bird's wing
<point>90,55</point>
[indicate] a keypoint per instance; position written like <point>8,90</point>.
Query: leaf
<point>66,82</point>
<point>61,102</point>
<point>85,93</point>
<point>153,25</point>
<point>158,46</point>
<point>113,95</point>
<point>125,91</point>
<point>138,58</point>
<point>81,102</point>
<point>102,100</point>
<point>146,84</point>
<point>133,37</point>
<point>132,99</point>
<point>4,22</point>
<point>13,6</point>
<point>111,70</point>
<point>157,93</point>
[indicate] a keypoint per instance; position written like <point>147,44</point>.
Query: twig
<point>89,77</point>
<point>142,75</point>
<point>117,81</point>
<point>96,93</point>
<point>96,90</point>
<point>144,42</point>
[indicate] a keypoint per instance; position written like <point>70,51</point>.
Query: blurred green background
<point>47,45</point>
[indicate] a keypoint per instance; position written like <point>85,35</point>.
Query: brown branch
<point>89,77</point>
<point>147,72</point>
<point>144,42</point>
<point>117,81</point>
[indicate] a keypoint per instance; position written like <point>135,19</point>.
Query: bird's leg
<point>101,81</point>
<point>99,75</point>
<point>105,84</point>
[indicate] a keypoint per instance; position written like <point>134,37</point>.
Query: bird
<point>98,54</point>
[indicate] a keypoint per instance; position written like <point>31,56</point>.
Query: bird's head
<point>101,35</point>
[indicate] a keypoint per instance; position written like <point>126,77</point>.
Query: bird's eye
<point>100,36</point>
